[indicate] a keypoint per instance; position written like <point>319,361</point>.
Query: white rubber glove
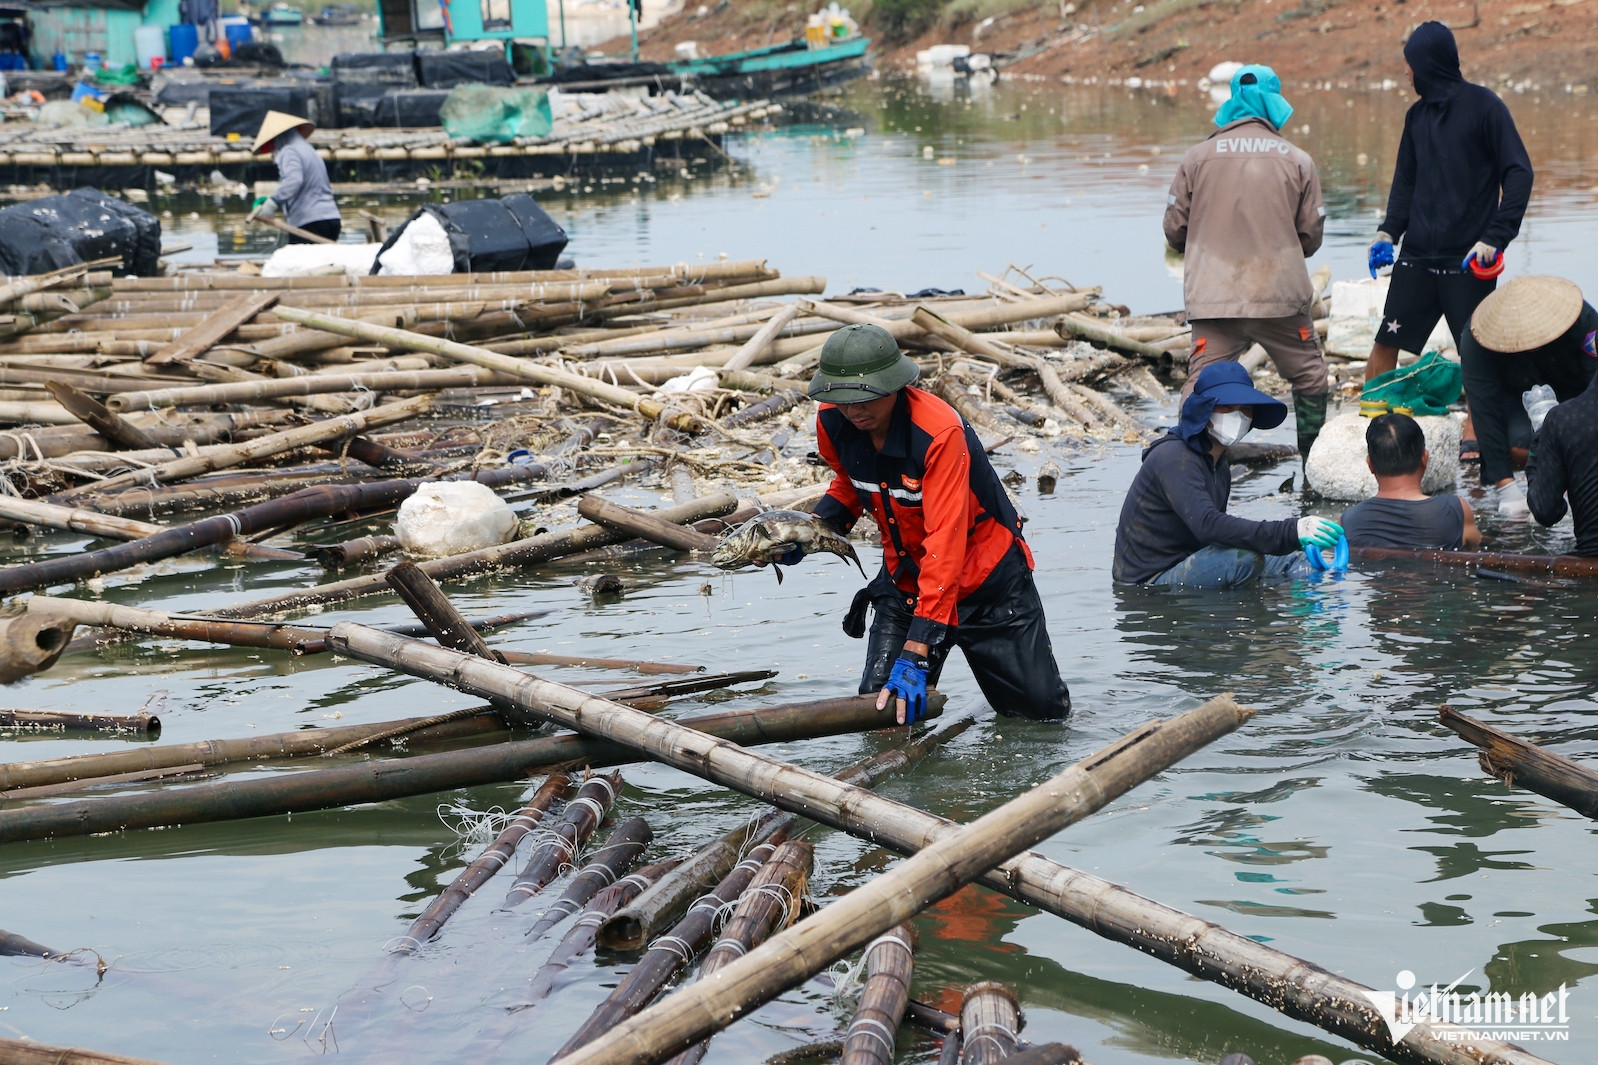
<point>1483,253</point>
<point>1512,500</point>
<point>1318,532</point>
<point>267,209</point>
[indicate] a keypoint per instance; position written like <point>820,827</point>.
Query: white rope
<point>873,1027</point>
<point>888,938</point>
<point>728,944</point>
<point>674,945</point>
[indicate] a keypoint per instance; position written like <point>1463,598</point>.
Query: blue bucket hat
<point>1256,93</point>
<point>1227,384</point>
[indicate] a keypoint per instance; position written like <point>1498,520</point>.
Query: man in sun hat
<point>1174,528</point>
<point>304,192</point>
<point>1536,330</point>
<point>1245,209</point>
<point>956,571</point>
<point>1460,188</point>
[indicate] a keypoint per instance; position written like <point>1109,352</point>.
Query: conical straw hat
<point>1526,313</point>
<point>277,122</point>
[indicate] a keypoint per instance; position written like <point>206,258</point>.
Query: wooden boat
<point>282,15</point>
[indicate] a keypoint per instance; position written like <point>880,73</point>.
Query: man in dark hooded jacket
<point>1459,191</point>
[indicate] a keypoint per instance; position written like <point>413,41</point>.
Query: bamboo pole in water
<point>483,868</point>
<point>307,503</point>
<point>15,946</point>
<point>27,1052</point>
<point>990,1018</point>
<point>769,905</point>
<point>639,523</point>
<point>80,519</point>
<point>558,849</point>
<point>889,964</point>
<point>230,455</point>
<point>580,938</point>
<point>353,552</point>
<point>600,870</point>
<point>933,873</point>
<point>493,360</point>
<point>769,407</point>
<point>428,602</point>
<point>1515,761</point>
<point>31,643</point>
<point>380,780</point>
<point>139,723</point>
<point>133,619</point>
<point>518,553</point>
<point>1557,565</point>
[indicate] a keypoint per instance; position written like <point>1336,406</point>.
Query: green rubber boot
<point>1309,413</point>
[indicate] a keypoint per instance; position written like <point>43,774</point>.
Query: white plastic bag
<point>453,517</point>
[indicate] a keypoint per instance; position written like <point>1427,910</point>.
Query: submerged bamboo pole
<point>61,719</point>
<point>437,613</point>
<point>1515,761</point>
<point>27,1052</point>
<point>318,501</point>
<point>889,963</point>
<point>557,849</point>
<point>518,553</point>
<point>94,523</point>
<point>600,870</point>
<point>155,623</point>
<point>423,774</point>
<point>642,524</point>
<point>31,643</point>
<point>990,1018</point>
<point>933,873</point>
<point>483,868</point>
<point>1556,565</point>
<point>769,905</point>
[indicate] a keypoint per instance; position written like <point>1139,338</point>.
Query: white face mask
<point>1227,429</point>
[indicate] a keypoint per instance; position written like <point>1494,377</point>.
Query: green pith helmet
<point>860,363</point>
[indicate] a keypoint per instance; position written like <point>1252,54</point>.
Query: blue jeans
<point>1228,567</point>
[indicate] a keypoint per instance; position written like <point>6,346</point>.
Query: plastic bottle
<point>1538,401</point>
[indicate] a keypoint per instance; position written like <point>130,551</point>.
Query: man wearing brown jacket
<point>1246,211</point>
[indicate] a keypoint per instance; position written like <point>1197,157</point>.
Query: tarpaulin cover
<point>410,108</point>
<point>445,70</point>
<point>608,71</point>
<point>362,79</point>
<point>513,233</point>
<point>489,115</point>
<point>240,108</point>
<point>81,226</point>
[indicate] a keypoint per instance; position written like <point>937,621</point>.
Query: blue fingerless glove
<point>791,557</point>
<point>1381,254</point>
<point>908,681</point>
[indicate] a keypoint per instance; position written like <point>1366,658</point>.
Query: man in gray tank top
<point>1400,514</point>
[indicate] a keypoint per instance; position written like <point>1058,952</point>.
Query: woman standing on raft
<point>303,192</point>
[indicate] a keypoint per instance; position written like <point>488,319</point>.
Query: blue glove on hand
<point>1381,253</point>
<point>790,557</point>
<point>908,682</point>
<point>1318,532</point>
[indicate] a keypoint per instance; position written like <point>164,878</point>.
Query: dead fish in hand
<point>767,537</point>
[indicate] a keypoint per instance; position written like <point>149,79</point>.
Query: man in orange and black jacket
<point>956,571</point>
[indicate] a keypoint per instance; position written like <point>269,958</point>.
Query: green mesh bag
<point>488,114</point>
<point>1426,386</point>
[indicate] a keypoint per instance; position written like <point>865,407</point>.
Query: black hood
<point>1434,57</point>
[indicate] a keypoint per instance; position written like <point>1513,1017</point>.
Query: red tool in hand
<point>1484,271</point>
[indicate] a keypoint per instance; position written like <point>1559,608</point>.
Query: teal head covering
<point>1259,97</point>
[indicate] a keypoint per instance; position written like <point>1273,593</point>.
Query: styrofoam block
<point>452,517</point>
<point>1336,466</point>
<point>421,250</point>
<point>314,260</point>
<point>1356,314</point>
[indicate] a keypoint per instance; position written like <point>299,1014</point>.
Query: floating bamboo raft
<point>608,130</point>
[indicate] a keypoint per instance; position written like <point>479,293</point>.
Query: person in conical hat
<point>304,192</point>
<point>1534,330</point>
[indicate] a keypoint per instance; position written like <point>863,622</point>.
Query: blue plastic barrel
<point>237,34</point>
<point>185,39</point>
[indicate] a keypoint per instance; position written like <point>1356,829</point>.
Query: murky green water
<point>1342,824</point>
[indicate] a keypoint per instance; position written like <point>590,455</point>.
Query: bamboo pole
<point>378,781</point>
<point>1086,329</point>
<point>580,938</point>
<point>990,1018</point>
<point>31,643</point>
<point>639,523</point>
<point>261,447</point>
<point>757,344</point>
<point>212,753</point>
<point>1557,565</point>
<point>518,553</point>
<point>307,385</point>
<point>635,925</point>
<point>535,658</point>
<point>56,441</point>
<point>199,339</point>
<point>1062,1054</point>
<point>143,724</point>
<point>79,519</point>
<point>1518,762</point>
<point>354,552</point>
<point>601,869</point>
<point>493,360</point>
<point>933,873</point>
<point>483,868</point>
<point>768,905</point>
<point>968,341</point>
<point>428,602</point>
<point>307,503</point>
<point>889,964</point>
<point>557,849</point>
<point>94,414</point>
<point>27,1052</point>
<point>769,407</point>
